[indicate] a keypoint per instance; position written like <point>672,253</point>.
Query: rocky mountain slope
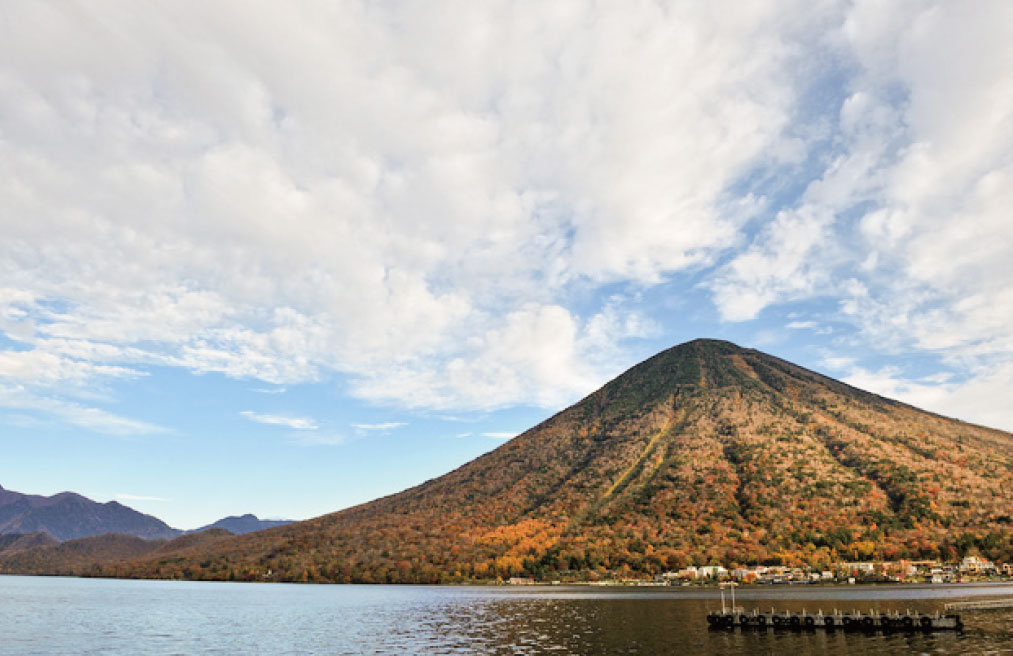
<point>705,453</point>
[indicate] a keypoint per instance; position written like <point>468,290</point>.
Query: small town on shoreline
<point>968,570</point>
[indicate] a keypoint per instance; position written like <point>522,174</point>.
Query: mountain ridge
<point>69,515</point>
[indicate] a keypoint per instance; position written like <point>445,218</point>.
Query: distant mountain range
<point>705,453</point>
<point>66,516</point>
<point>240,524</point>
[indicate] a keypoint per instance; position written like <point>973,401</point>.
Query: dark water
<point>86,616</point>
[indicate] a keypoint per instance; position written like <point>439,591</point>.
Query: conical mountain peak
<point>706,452</point>
<point>701,368</point>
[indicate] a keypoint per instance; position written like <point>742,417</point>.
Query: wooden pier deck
<point>847,621</point>
<point>733,616</point>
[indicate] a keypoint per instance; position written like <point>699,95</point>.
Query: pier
<point>735,616</point>
<point>847,621</point>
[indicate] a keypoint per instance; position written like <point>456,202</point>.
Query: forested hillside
<point>706,453</point>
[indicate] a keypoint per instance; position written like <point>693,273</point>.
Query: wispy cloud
<point>458,436</point>
<point>501,436</point>
<point>459,418</point>
<point>810,325</point>
<point>298,423</point>
<point>318,439</point>
<point>137,497</point>
<point>76,414</point>
<point>269,390</point>
<point>23,421</point>
<point>386,426</point>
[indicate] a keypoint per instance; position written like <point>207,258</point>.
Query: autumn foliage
<point>704,454</point>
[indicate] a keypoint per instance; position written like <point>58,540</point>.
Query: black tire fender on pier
<point>828,621</point>
<point>743,619</point>
<point>778,620</point>
<point>885,621</point>
<point>846,621</point>
<point>795,621</point>
<point>761,620</point>
<point>926,622</point>
<point>867,622</point>
<point>809,621</point>
<point>908,622</point>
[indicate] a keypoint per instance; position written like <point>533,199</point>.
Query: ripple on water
<point>78,616</point>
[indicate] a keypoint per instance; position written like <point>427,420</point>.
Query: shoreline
<point>714,586</point>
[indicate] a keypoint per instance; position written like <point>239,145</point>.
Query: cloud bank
<point>441,205</point>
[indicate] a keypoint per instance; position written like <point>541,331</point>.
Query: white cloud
<point>781,266</point>
<point>444,177</point>
<point>501,436</point>
<point>532,353</point>
<point>973,398</point>
<point>298,423</point>
<point>839,363</point>
<point>437,210</point>
<point>41,367</point>
<point>386,426</point>
<point>941,234</point>
<point>913,233</point>
<point>814,326</point>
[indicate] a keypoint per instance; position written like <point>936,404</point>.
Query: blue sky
<point>283,259</point>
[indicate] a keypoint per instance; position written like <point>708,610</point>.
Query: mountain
<point>68,515</point>
<point>240,524</point>
<point>14,542</point>
<point>704,453</point>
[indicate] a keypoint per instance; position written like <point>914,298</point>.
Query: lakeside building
<point>971,567</point>
<point>975,565</point>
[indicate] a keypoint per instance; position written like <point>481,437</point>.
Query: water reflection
<point>74,616</point>
<point>667,626</point>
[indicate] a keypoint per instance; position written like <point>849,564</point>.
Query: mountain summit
<point>704,453</point>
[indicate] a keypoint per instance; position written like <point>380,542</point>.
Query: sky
<point>284,258</point>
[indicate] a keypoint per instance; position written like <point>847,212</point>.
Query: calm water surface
<point>91,616</point>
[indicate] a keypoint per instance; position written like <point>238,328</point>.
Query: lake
<point>95,616</point>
